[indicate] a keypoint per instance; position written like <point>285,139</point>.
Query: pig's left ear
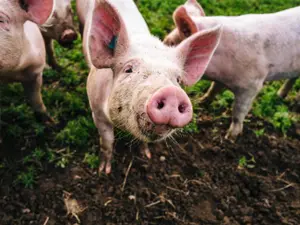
<point>107,35</point>
<point>38,10</point>
<point>196,52</point>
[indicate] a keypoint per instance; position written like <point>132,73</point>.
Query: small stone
<point>131,197</point>
<point>226,220</point>
<point>246,192</point>
<point>247,219</point>
<point>25,210</point>
<point>162,158</point>
<point>219,214</point>
<point>232,200</point>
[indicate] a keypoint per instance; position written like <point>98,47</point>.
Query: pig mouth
<point>153,132</point>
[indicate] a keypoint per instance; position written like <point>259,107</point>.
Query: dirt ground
<point>195,181</point>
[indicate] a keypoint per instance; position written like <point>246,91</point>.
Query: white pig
<point>253,49</point>
<point>22,49</point>
<point>134,78</point>
<point>59,27</point>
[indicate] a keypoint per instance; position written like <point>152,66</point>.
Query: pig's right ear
<point>107,35</point>
<point>38,10</point>
<point>196,52</point>
<point>184,22</point>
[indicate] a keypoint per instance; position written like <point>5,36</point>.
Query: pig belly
<point>282,75</point>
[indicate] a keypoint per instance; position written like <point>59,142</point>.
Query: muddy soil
<point>196,180</point>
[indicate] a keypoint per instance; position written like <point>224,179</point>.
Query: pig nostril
<point>182,108</point>
<point>160,105</point>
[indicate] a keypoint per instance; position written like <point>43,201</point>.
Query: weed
<point>260,132</point>
<point>192,127</point>
<point>269,106</point>
<point>223,100</point>
<point>245,163</point>
<point>27,178</point>
<point>92,160</point>
<point>77,132</point>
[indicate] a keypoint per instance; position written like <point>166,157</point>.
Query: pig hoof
<point>281,94</point>
<point>58,68</point>
<point>105,165</point>
<point>147,153</point>
<point>55,66</point>
<point>45,118</point>
<point>230,138</point>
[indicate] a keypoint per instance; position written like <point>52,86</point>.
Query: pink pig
<point>59,27</point>
<point>253,49</point>
<point>22,50</point>
<point>134,78</point>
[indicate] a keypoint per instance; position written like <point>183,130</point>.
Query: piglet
<point>134,80</point>
<point>59,27</point>
<point>253,49</point>
<point>22,49</point>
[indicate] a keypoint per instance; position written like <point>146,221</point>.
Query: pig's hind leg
<point>50,55</point>
<point>286,87</point>
<point>214,89</point>
<point>106,141</point>
<point>242,104</point>
<point>32,90</point>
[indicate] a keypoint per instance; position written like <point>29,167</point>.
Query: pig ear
<point>107,35</point>
<point>184,22</point>
<point>196,52</point>
<point>38,10</point>
<point>195,4</point>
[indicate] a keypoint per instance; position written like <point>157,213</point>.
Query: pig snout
<point>170,106</point>
<point>67,38</point>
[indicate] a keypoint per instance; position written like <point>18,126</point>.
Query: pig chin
<point>152,132</point>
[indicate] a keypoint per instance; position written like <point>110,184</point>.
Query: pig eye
<point>179,80</point>
<point>23,5</point>
<point>128,69</point>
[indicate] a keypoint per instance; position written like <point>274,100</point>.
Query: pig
<point>22,49</point>
<point>59,27</point>
<point>253,49</point>
<point>134,80</point>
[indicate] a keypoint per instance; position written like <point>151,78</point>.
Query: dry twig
<point>46,221</point>
<point>127,172</point>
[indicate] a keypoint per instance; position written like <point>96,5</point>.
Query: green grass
<point>65,96</point>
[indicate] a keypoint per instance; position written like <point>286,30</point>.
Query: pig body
<point>22,51</point>
<point>253,49</point>
<point>59,27</point>
<point>134,78</point>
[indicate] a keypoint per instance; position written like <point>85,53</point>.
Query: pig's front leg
<point>106,140</point>
<point>286,87</point>
<point>242,105</point>
<point>32,90</point>
<point>50,54</point>
<point>214,89</point>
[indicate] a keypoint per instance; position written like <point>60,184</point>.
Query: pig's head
<point>184,18</point>
<point>146,98</point>
<point>60,26</point>
<point>13,14</point>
